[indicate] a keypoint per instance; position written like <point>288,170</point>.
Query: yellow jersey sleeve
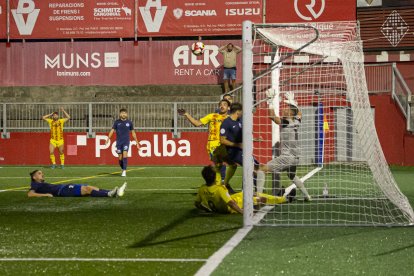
<point>206,119</point>
<point>224,194</point>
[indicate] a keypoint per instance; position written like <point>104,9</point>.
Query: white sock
<point>260,181</point>
<point>301,186</point>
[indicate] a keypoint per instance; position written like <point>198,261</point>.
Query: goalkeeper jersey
<point>214,121</point>
<point>289,137</point>
<point>56,128</point>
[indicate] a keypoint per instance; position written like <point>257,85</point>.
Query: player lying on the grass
<point>39,188</point>
<point>289,153</point>
<point>214,121</point>
<point>214,197</point>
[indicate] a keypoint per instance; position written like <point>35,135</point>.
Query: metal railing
<point>99,117</point>
<point>402,95</point>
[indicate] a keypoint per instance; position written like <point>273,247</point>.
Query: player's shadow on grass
<point>395,250</point>
<point>149,240</point>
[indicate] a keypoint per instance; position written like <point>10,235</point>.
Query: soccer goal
<point>340,159</point>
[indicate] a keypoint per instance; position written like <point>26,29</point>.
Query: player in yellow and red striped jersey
<point>56,135</point>
<point>213,120</point>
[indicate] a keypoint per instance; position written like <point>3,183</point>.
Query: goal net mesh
<point>340,158</point>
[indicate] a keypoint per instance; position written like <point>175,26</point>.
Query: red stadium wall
<point>285,11</point>
<point>162,149</point>
<point>112,63</point>
<point>60,19</point>
<point>156,149</point>
<point>396,143</point>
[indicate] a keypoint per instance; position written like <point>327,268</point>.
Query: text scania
<point>157,147</point>
<point>72,60</point>
<point>247,11</point>
<point>200,13</point>
<point>107,11</point>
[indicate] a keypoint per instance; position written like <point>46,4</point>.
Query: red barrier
<point>111,63</point>
<point>34,19</point>
<point>287,11</point>
<point>3,19</point>
<point>73,19</point>
<point>156,149</point>
<point>196,17</point>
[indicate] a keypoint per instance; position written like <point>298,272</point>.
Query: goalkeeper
<point>213,197</point>
<point>288,159</point>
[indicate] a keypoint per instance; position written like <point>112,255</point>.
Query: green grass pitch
<point>154,230</point>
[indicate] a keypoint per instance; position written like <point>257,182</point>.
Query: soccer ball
<point>197,48</point>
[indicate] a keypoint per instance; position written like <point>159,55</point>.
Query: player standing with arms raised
<point>56,136</point>
<point>288,159</point>
<point>123,126</point>
<point>214,121</point>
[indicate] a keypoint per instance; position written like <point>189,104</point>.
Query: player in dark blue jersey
<point>231,135</point>
<point>39,188</point>
<point>123,127</point>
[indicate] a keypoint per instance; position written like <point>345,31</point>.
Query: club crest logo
<point>178,13</point>
<point>311,12</point>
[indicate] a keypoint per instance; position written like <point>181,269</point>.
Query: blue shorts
<point>236,156</point>
<point>71,190</point>
<point>229,73</point>
<point>121,147</point>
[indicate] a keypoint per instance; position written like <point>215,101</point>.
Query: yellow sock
<point>218,175</point>
<point>62,159</point>
<point>231,169</point>
<point>272,200</point>
<point>52,159</point>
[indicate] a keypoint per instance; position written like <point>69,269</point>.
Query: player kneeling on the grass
<point>214,197</point>
<point>39,188</point>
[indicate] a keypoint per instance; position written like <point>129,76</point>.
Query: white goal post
<point>340,159</point>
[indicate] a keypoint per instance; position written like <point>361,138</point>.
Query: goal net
<point>329,142</point>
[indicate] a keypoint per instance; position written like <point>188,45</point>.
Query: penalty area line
<point>100,260</point>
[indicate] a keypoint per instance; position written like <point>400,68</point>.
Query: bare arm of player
<point>299,116</point>
<point>193,121</point>
<point>109,136</point>
<point>223,48</point>
<point>237,49</point>
<point>32,193</point>
<point>226,142</point>
<point>233,205</point>
<point>47,116</point>
<point>273,116</point>
<point>134,135</point>
<point>66,114</point>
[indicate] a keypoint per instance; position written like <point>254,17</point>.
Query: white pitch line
<point>215,260</point>
<point>99,260</point>
<point>143,190</point>
<point>128,177</point>
<point>103,167</point>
